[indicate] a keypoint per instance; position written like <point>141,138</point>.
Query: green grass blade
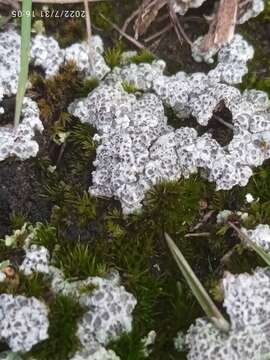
<point>197,288</point>
<point>258,249</point>
<point>25,51</point>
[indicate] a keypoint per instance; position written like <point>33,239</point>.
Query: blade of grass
<point>197,288</point>
<point>24,62</point>
<point>258,249</point>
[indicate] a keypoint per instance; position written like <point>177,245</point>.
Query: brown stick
<point>157,34</point>
<point>128,37</point>
<point>180,32</point>
<point>127,22</point>
<point>88,22</point>
<point>89,32</point>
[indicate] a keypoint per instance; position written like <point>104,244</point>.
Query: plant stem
<point>24,58</point>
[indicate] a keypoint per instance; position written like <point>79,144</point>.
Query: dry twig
<point>128,37</point>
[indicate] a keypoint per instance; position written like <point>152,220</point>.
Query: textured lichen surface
<point>86,236</point>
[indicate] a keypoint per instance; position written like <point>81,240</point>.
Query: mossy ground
<point>88,236</point>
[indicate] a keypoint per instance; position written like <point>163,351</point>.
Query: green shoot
<point>25,50</point>
<point>197,288</point>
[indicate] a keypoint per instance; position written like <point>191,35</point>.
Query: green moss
<point>130,88</point>
<point>174,205</point>
<point>78,261</point>
<point>81,149</point>
<point>144,56</point>
<point>129,347</point>
<point>56,93</point>
<point>62,342</point>
<point>85,87</point>
<point>258,68</point>
<point>112,55</point>
<point>107,10</point>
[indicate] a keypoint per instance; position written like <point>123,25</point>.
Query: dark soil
<point>20,193</point>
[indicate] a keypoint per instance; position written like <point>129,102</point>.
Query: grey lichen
<point>20,141</point>
<point>45,52</point>
<point>260,235</point>
<point>23,322</point>
<point>246,299</point>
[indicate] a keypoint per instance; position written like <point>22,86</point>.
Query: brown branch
<point>128,20</point>
<point>128,37</point>
<point>157,34</point>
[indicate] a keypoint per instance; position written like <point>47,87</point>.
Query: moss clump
<point>129,347</point>
<point>62,342</point>
<point>113,55</point>
<point>144,56</point>
<point>85,87</point>
<point>79,261</point>
<point>81,149</point>
<point>130,88</point>
<point>56,93</point>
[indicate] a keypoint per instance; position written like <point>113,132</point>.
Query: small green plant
<point>25,50</point>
